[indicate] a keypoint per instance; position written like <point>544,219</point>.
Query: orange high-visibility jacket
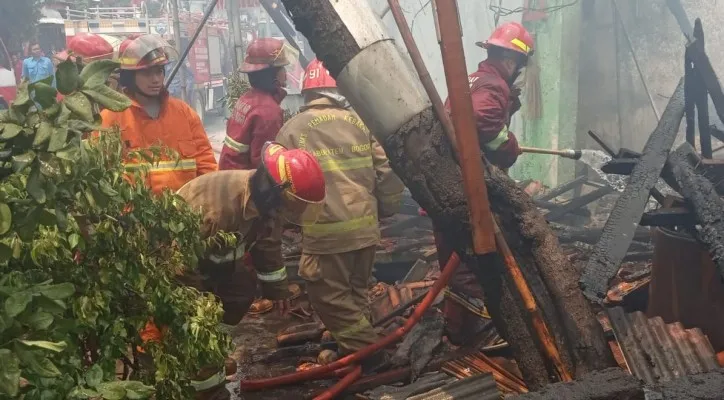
<point>179,128</point>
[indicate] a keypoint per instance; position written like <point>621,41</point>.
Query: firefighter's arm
<point>204,156</point>
<point>26,72</point>
<point>265,129</point>
<point>388,186</point>
<point>498,143</point>
<point>266,256</point>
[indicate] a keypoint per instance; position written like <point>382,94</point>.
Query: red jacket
<point>493,106</point>
<point>256,119</point>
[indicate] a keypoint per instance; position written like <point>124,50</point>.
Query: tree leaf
<point>9,373</point>
<point>6,218</point>
<point>17,303</point>
<point>112,391</point>
<point>58,139</point>
<point>94,376</point>
<point>79,104</point>
<point>42,367</point>
<point>10,131</point>
<point>6,253</point>
<point>39,320</point>
<point>83,393</point>
<point>106,188</point>
<point>34,185</point>
<point>23,96</point>
<point>63,116</point>
<point>67,77</point>
<point>108,98</point>
<point>42,134</point>
<point>57,292</point>
<point>52,346</point>
<point>97,73</point>
<point>44,94</point>
<point>73,240</point>
<point>136,390</point>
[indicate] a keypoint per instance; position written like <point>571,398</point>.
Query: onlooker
<point>37,67</point>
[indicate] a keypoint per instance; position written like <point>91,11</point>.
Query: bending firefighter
<point>495,100</point>
<point>155,118</point>
<point>250,203</point>
<point>339,250</point>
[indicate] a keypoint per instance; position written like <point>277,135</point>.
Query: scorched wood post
<point>352,43</point>
<point>453,58</point>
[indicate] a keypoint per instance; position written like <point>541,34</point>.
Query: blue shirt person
<point>37,67</point>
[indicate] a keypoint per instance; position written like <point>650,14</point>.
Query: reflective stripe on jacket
<point>255,120</point>
<point>224,198</point>
<point>359,180</point>
<point>493,108</point>
<point>178,128</point>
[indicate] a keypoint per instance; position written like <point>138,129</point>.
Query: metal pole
<point>456,75</point>
<point>191,42</point>
<point>636,61</point>
<point>422,72</point>
<point>234,15</point>
<point>177,39</point>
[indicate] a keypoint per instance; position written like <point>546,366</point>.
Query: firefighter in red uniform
<point>495,100</point>
<point>257,116</point>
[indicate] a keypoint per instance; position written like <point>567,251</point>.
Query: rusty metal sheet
<point>657,352</point>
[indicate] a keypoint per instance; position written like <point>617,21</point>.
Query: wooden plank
<point>623,221</point>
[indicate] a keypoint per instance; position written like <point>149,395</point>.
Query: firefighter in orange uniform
<point>257,115</point>
<point>155,118</point>
<point>338,252</point>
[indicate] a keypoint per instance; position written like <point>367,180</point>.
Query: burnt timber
<point>701,197</point>
<point>621,225</point>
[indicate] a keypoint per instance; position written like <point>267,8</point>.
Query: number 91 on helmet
<point>299,177</point>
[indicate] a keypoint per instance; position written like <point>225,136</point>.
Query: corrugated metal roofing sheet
<point>658,352</point>
<point>481,387</point>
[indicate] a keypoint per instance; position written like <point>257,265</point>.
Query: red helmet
<point>317,77</point>
<point>145,51</point>
<point>265,53</point>
<point>299,172</point>
<point>512,36</point>
<point>90,47</point>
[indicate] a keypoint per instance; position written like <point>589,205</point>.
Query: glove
<point>507,154</point>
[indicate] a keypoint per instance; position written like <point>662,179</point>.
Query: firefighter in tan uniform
<point>288,185</point>
<point>338,251</point>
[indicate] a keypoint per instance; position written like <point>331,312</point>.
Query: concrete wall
<point>557,50</point>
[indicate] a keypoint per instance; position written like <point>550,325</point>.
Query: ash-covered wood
<point>613,384</point>
<point>621,225</point>
<point>703,200</point>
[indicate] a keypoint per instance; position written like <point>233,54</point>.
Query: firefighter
<point>494,102</point>
<point>257,115</point>
<point>155,118</point>
<point>338,251</point>
<point>89,47</point>
<point>289,184</point>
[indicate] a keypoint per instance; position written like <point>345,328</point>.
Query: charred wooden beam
<point>621,225</point>
<point>613,384</point>
<point>601,143</point>
<point>577,203</point>
<point>620,166</point>
<point>559,190</point>
<point>351,42</point>
<point>707,74</point>
<point>701,97</point>
<point>668,217</point>
<point>568,234</point>
<point>701,197</point>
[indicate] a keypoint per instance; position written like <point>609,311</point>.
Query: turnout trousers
<point>337,289</point>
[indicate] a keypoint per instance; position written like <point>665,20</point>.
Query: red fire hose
<point>340,386</point>
<point>354,358</point>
